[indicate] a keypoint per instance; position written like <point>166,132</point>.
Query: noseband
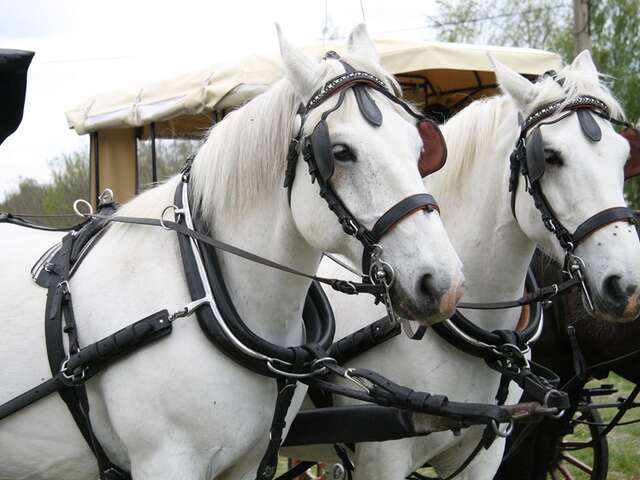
<point>317,153</point>
<point>528,159</point>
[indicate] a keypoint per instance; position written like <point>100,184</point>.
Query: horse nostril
<point>427,286</point>
<point>613,289</point>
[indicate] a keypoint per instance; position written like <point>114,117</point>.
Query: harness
<point>217,317</point>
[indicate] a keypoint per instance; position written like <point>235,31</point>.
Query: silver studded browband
<point>583,101</point>
<point>337,83</point>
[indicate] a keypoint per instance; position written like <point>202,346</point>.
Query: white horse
<point>582,178</point>
<point>180,409</point>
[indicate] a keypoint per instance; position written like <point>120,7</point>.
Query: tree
<point>615,30</point>
<point>70,181</point>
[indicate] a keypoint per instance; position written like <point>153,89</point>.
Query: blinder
<point>322,151</point>
<point>632,167</point>
<point>433,155</point>
<point>535,155</point>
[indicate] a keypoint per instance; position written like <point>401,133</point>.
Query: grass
<point>624,441</point>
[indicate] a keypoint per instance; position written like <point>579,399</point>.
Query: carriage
<point>442,78</point>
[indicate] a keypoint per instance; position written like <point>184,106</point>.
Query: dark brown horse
<point>599,341</point>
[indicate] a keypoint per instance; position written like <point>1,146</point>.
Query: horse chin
<point>426,309</point>
<point>425,312</point>
<point>604,311</point>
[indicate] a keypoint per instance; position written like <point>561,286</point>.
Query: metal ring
<point>168,207</point>
<point>323,360</point>
<point>496,428</point>
<point>288,374</point>
<point>83,202</point>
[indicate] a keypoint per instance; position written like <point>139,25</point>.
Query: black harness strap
<point>59,310</point>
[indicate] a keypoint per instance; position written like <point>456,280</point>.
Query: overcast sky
<point>88,46</point>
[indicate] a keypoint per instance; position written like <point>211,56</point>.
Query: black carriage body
<point>13,86</point>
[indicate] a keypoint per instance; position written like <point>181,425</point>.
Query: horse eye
<point>553,158</point>
<point>342,153</point>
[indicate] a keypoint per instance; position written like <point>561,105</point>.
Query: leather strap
<point>402,209</point>
<point>601,219</point>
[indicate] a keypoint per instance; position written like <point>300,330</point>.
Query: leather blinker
<point>589,126</point>
<point>535,156</point>
<point>321,145</point>
<point>433,155</point>
<point>632,167</point>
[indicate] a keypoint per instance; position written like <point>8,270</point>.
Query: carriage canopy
<point>442,76</point>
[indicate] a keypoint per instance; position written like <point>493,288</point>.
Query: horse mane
<point>243,159</point>
<point>489,126</point>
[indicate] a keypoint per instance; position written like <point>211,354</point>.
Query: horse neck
<point>477,215</point>
<point>269,301</point>
<point>235,177</point>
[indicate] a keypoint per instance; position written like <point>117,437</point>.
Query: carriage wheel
<point>575,458</point>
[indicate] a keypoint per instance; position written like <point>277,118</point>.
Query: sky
<point>85,47</point>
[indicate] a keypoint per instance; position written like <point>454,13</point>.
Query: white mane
<point>489,126</point>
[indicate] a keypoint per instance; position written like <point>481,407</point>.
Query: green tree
<point>615,33</point>
<point>70,181</point>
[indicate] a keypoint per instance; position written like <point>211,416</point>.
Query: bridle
<point>317,153</point>
<point>527,159</point>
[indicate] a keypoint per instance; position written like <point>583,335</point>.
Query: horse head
<point>368,157</point>
<point>573,161</point>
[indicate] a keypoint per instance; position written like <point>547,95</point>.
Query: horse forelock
<point>571,84</point>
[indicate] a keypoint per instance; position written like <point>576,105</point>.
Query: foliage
<point>70,181</point>
<point>528,23</point>
<point>171,155</point>
<point>546,24</point>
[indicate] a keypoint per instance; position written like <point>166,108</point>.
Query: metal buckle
<point>73,377</point>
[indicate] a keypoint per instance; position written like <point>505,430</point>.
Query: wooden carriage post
<point>114,163</point>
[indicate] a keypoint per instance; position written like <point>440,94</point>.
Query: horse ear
<point>361,45</point>
<point>300,69</point>
<point>515,85</point>
<point>584,63</point>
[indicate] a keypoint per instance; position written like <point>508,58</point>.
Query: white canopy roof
<point>226,85</point>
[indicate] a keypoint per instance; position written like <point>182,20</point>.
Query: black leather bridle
<point>316,151</point>
<point>527,159</point>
